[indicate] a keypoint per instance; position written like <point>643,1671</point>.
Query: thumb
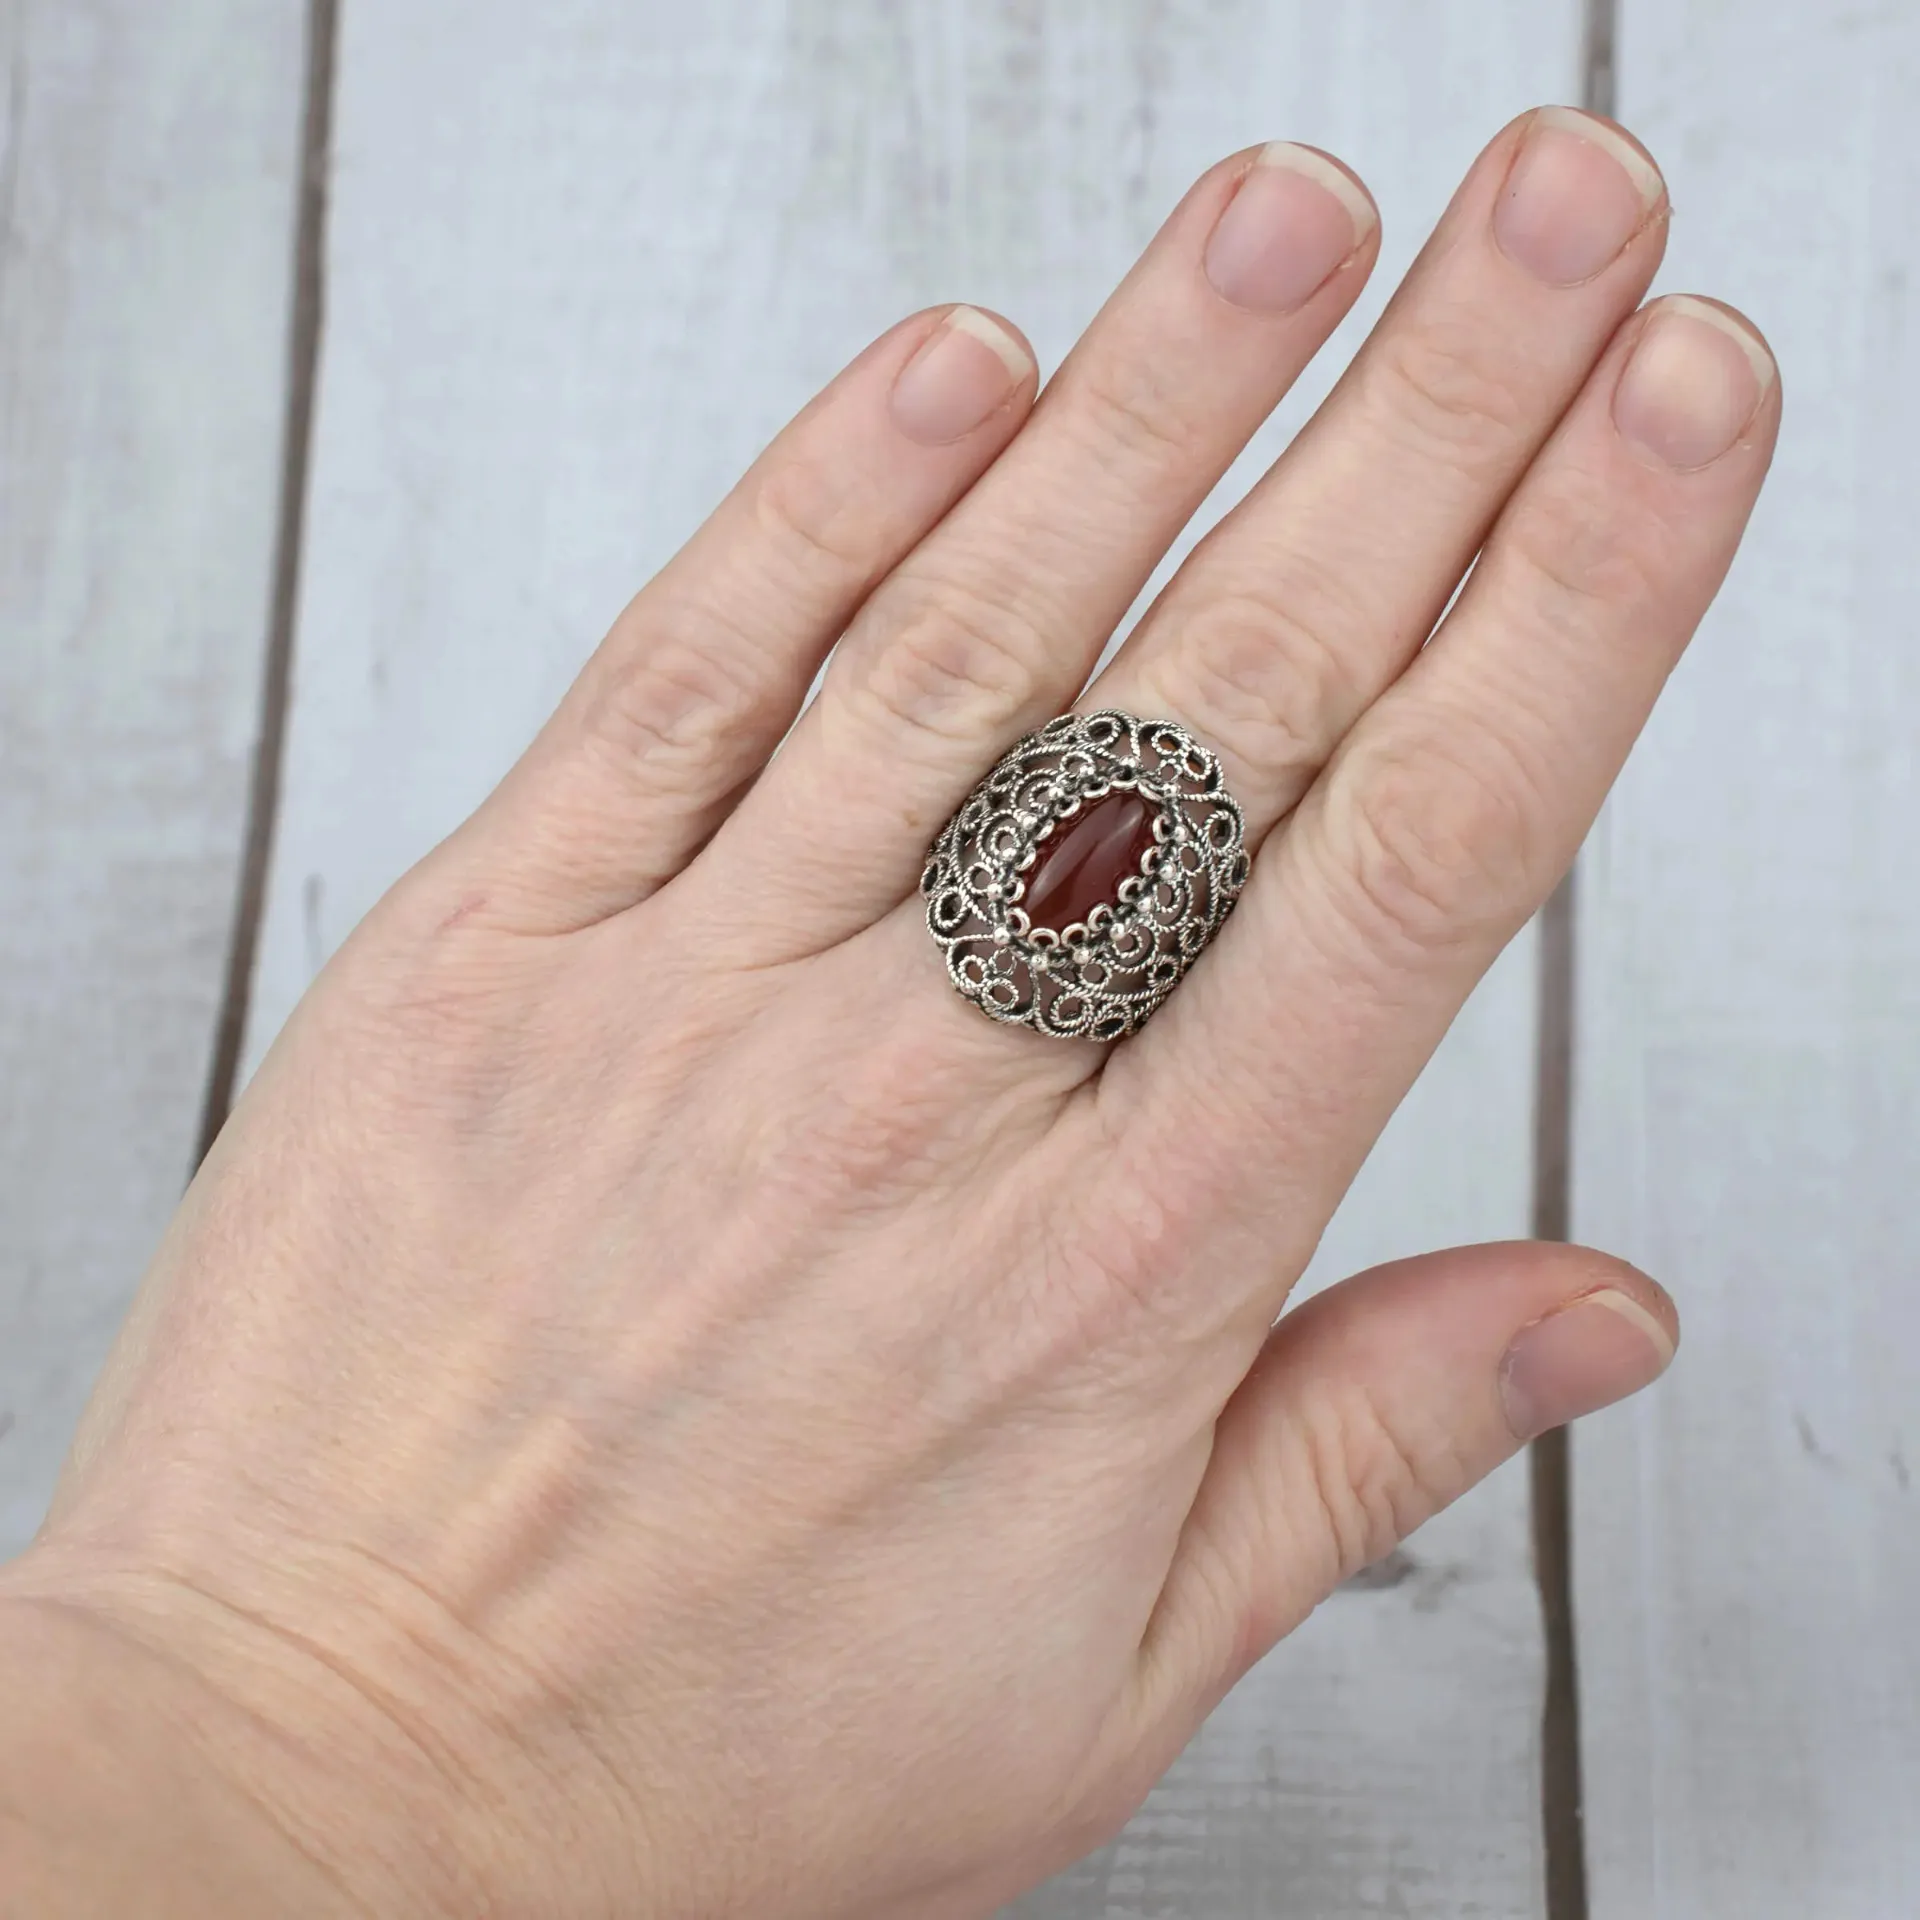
<point>1372,1406</point>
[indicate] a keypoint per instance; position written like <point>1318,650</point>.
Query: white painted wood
<point>147,166</point>
<point>1747,1544</point>
<point>584,259</point>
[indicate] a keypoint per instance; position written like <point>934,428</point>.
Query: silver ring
<point>1085,874</point>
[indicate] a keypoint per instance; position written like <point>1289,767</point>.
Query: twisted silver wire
<point>1100,979</point>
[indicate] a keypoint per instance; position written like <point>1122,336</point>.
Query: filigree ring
<point>1085,874</point>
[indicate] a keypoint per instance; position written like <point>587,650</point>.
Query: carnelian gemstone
<point>1082,862</point>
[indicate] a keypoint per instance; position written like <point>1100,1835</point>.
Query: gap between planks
<point>1563,1832</point>
<point>303,363</point>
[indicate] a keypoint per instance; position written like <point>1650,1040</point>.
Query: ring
<point>1085,874</point>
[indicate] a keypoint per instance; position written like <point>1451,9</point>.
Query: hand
<point>653,1405</point>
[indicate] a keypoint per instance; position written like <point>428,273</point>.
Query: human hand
<point>653,1405</point>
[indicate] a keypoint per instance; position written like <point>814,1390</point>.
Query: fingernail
<point>1295,218</point>
<point>1578,192</point>
<point>1586,1356</point>
<point>1693,382</point>
<point>964,373</point>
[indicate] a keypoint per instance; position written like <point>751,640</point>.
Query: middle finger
<point>990,626</point>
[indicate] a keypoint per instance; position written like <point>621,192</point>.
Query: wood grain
<point>583,261</point>
<point>148,162</point>
<point>1747,1542</point>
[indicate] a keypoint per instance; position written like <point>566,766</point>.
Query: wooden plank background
<point>579,263</point>
<point>148,173</point>
<point>1747,1540</point>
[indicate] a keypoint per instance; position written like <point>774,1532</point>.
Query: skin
<point>652,1404</point>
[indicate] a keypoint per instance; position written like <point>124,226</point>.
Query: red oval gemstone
<point>1082,862</point>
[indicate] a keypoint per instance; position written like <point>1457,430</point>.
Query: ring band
<point>1085,874</point>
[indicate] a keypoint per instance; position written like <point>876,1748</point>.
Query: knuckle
<point>880,1128</point>
<point>1046,1337</point>
<point>1116,1292</point>
<point>952,665</point>
<point>816,518</point>
<point>1263,679</point>
<point>1137,418</point>
<point>1573,552</point>
<point>1451,382</point>
<point>1087,1304</point>
<point>442,1028</point>
<point>660,713</point>
<point>1437,848</point>
<point>1119,1273</point>
<point>1364,1483</point>
<point>1054,1334</point>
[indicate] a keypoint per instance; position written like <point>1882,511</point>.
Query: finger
<point>1370,1408</point>
<point>704,671</point>
<point>994,623</point>
<point>1311,597</point>
<point>1455,805</point>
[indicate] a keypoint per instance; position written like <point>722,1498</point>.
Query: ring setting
<point>1085,874</point>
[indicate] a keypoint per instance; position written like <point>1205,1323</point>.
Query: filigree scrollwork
<point>1102,977</point>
